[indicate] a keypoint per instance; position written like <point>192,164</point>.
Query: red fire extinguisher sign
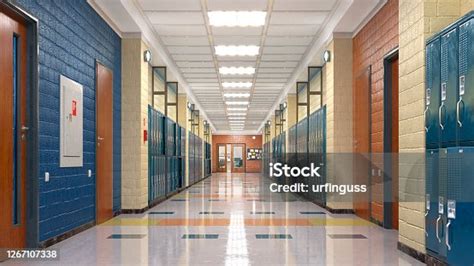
<point>74,108</point>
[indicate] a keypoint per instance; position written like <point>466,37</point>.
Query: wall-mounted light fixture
<point>147,56</point>
<point>327,56</point>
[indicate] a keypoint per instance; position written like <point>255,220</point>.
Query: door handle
<point>99,138</point>
<point>426,214</point>
<point>439,115</point>
<point>437,228</point>
<point>447,234</point>
<point>458,115</point>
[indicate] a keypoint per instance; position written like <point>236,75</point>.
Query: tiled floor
<point>233,220</point>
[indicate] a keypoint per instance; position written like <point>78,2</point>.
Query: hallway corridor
<point>232,219</point>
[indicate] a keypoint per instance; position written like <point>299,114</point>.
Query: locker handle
<point>447,234</point>
<point>458,115</point>
<point>426,118</point>
<point>437,228</point>
<point>440,116</point>
<point>426,215</point>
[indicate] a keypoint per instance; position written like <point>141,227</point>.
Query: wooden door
<point>394,143</point>
<point>361,132</point>
<point>238,158</point>
<point>104,147</point>
<point>13,130</point>
<point>221,158</point>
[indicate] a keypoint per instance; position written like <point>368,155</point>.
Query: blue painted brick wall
<point>71,37</point>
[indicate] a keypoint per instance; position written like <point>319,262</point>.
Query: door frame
<point>32,109</point>
<point>389,58</point>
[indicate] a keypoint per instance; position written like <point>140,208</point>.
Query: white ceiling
<point>292,29</point>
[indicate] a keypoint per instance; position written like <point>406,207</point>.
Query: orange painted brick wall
<point>250,166</point>
<point>376,39</point>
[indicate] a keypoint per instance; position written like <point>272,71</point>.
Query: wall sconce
<point>327,56</point>
<point>147,56</point>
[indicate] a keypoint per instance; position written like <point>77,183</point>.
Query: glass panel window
<point>238,157</point>
<point>222,157</point>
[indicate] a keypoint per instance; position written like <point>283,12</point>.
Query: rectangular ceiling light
<point>246,85</point>
<point>237,50</point>
<point>237,103</point>
<point>236,118</point>
<point>237,114</point>
<point>237,70</point>
<point>237,18</point>
<point>236,95</point>
<point>236,109</point>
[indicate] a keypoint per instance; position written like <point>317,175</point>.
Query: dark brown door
<point>13,129</point>
<point>238,158</point>
<point>104,133</point>
<point>221,158</point>
<point>394,145</point>
<point>361,131</point>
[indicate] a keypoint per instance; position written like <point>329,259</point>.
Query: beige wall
<point>337,97</point>
<point>135,99</point>
<point>466,6</point>
<point>419,19</point>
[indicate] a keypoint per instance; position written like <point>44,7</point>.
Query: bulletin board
<point>254,154</point>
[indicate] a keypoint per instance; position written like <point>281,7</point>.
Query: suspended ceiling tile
<point>170,5</point>
<point>275,70</point>
<point>286,40</point>
<point>298,18</point>
<point>191,80</point>
<point>185,41</point>
<point>200,75</point>
<point>233,58</point>
<point>303,5</point>
<point>278,64</point>
<point>187,57</point>
<point>240,40</point>
<point>284,49</point>
<point>198,69</point>
<point>237,63</point>
<point>175,18</point>
<point>181,30</point>
<point>292,30</point>
<point>195,65</point>
<point>231,5</point>
<point>281,57</point>
<point>237,31</point>
<point>271,75</point>
<point>190,50</point>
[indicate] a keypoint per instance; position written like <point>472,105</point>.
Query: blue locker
<point>465,100</point>
<point>449,84</point>
<point>459,229</point>
<point>441,220</point>
<point>432,194</point>
<point>432,93</point>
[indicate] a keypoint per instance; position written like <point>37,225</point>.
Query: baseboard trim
<point>66,235</point>
<point>339,211</point>
<point>160,200</point>
<point>412,252</point>
<point>433,261</point>
<point>377,222</point>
